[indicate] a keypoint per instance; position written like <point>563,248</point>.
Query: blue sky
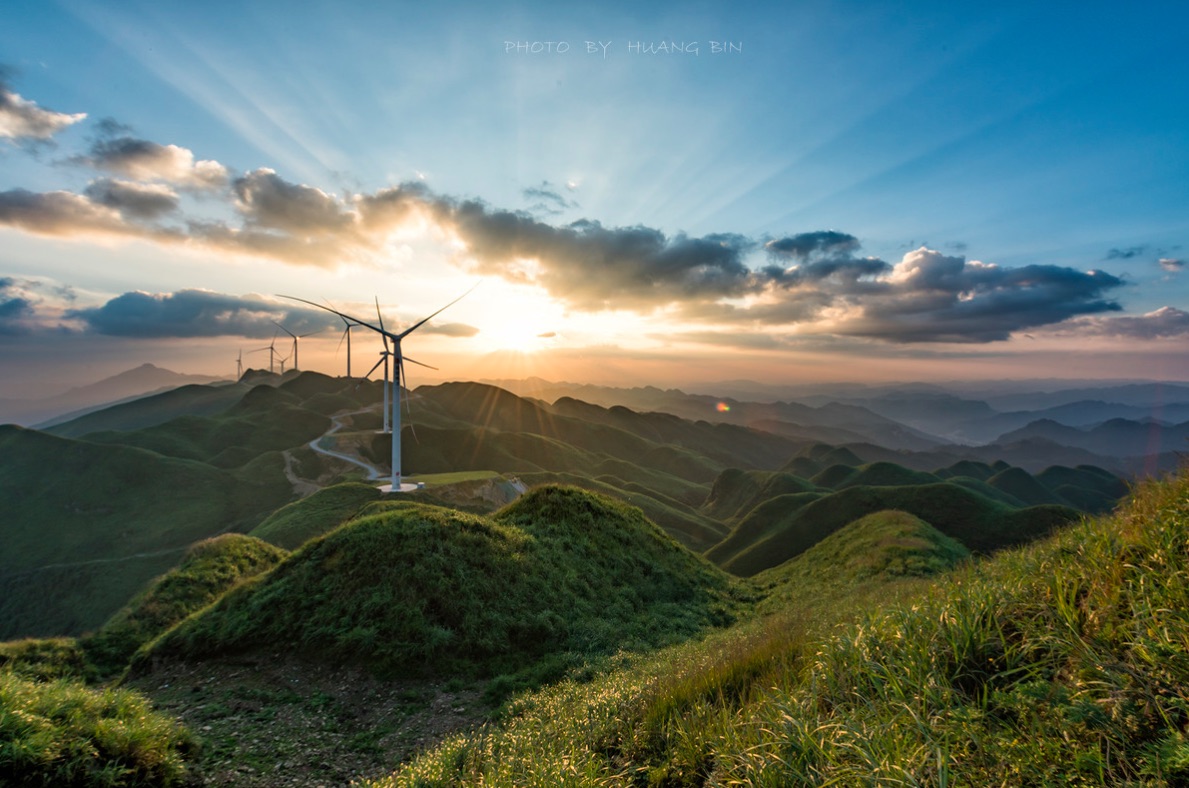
<point>655,193</point>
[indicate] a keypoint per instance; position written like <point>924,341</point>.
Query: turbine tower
<point>239,364</point>
<point>348,325</point>
<point>391,348</point>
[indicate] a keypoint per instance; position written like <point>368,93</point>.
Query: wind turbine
<point>271,347</point>
<point>295,338</point>
<point>239,364</point>
<point>399,359</point>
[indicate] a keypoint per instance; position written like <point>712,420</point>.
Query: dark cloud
<point>269,201</point>
<point>823,243</point>
<point>60,213</point>
<point>197,313</point>
<point>930,297</point>
<point>1126,254</point>
<point>143,160</point>
<point>23,120</point>
<point>146,201</point>
<point>593,267</point>
<point>1172,265</point>
<point>16,309</point>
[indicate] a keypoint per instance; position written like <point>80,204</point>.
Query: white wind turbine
<point>271,347</point>
<point>239,364</point>
<point>296,337</point>
<point>399,358</point>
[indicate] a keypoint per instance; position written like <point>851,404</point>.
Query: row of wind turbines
<point>392,350</point>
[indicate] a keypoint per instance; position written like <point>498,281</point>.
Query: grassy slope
<point>296,523</point>
<point>208,570</point>
<point>110,513</point>
<point>979,523</point>
<point>421,589</point>
<point>194,400</point>
<point>1063,663</point>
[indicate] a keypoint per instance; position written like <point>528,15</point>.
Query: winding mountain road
<point>372,472</point>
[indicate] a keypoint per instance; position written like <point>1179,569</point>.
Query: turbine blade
<point>415,361</point>
<point>287,331</point>
<point>378,315</point>
<point>373,369</point>
<point>340,345</point>
<point>425,320</point>
<point>400,362</point>
<point>343,315</point>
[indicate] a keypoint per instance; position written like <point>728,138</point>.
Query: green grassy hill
<point>424,590</point>
<point>736,492</point>
<point>87,525</point>
<point>294,524</point>
<point>772,535</point>
<point>886,545</point>
<point>207,571</point>
<point>193,400</point>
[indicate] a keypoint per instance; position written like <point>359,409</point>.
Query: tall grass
<point>62,734</point>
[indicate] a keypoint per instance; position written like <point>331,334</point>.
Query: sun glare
<point>520,334</point>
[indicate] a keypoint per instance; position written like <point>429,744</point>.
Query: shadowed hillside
<point>86,525</point>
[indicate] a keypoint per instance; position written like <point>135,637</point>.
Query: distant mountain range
<point>137,382</point>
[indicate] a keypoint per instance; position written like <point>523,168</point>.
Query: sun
<point>516,333</point>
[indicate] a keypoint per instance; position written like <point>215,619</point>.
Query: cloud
<point>145,201</point>
<point>16,308</point>
<point>1172,265</point>
<point>449,330</point>
<point>1128,253</point>
<point>816,244</point>
<point>547,199</point>
<point>1162,323</point>
<point>592,267</point>
<point>21,119</point>
<point>197,313</point>
<point>266,200</point>
<point>142,160</point>
<point>61,213</point>
<point>931,297</point>
<point>203,313</point>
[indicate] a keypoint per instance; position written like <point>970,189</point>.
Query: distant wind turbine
<point>239,364</point>
<point>296,337</point>
<point>271,347</point>
<point>391,348</point>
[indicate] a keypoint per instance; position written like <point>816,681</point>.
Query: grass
<point>770,536</point>
<point>59,733</point>
<point>557,576</point>
<point>88,525</point>
<point>296,523</point>
<point>1062,663</point>
<point>208,570</point>
<point>434,479</point>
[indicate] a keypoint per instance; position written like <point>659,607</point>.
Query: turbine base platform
<point>405,487</point>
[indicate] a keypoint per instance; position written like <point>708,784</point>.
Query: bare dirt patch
<point>279,721</point>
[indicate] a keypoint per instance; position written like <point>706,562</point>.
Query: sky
<point>628,193</point>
